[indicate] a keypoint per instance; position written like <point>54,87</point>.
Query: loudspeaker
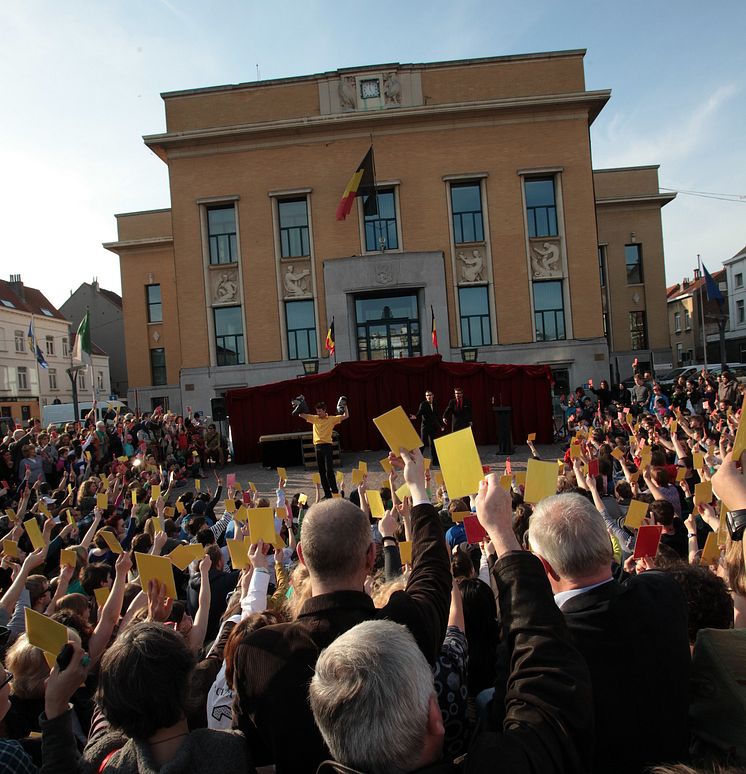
<point>217,405</point>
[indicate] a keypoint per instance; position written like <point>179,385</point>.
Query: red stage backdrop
<point>374,387</point>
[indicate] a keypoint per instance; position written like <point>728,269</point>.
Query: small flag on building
<point>82,351</point>
<point>713,291</point>
<point>34,347</point>
<point>329,344</point>
<point>433,329</point>
<point>362,183</point>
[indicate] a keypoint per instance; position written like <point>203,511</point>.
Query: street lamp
<point>73,372</point>
<point>469,354</point>
<point>310,367</point>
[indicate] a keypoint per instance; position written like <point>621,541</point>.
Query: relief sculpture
<point>546,260</point>
<point>472,266</point>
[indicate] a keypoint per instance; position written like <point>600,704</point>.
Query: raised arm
<point>196,637</point>
<point>110,612</point>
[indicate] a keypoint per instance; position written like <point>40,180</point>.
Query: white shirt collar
<point>563,596</point>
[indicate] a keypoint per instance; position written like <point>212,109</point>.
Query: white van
<point>60,413</point>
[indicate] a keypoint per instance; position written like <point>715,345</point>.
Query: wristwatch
<point>736,521</point>
<point>390,537</point>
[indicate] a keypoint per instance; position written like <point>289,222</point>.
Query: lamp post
<point>310,367</point>
<point>73,372</point>
<point>469,354</point>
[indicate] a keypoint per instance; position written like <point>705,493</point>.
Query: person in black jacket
<point>458,411</point>
<point>430,424</point>
<point>222,583</point>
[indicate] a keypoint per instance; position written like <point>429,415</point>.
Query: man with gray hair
<point>372,693</point>
<point>632,632</point>
<point>274,665</point>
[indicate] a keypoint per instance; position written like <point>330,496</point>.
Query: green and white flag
<point>82,352</point>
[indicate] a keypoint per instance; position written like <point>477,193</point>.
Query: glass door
<point>388,327</point>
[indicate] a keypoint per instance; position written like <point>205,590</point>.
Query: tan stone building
<point>486,218</point>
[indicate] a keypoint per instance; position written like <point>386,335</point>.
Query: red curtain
<point>374,387</point>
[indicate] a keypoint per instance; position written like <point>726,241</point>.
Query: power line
<point>724,197</point>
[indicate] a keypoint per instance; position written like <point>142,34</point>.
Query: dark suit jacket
<point>429,417</point>
<point>634,637</point>
<point>458,419</point>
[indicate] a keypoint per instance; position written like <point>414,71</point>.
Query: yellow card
<point>302,498</point>
<point>102,501</point>
<point>459,463</point>
<point>156,568</point>
<point>10,548</point>
<point>698,460</point>
<point>230,505</point>
<point>133,494</point>
<point>69,557</point>
<point>711,551</point>
<point>427,462</point>
<point>635,514</point>
<point>111,541</point>
<point>403,491</point>
<point>282,473</point>
<point>241,515</point>
<point>506,482</point>
<point>252,486</point>
<point>123,458</point>
<point>723,528</point>
<point>262,525</point>
<point>44,633</point>
<point>101,594</point>
<point>169,511</point>
<point>680,474</point>
<point>88,456</point>
<point>32,530</point>
<point>11,514</point>
<point>158,523</point>
<point>182,556</point>
<point>439,480</point>
<point>104,480</point>
<point>520,478</point>
<point>617,453</point>
<point>278,541</point>
<point>541,480</point>
<point>673,427</point>
<point>457,517</point>
<point>70,518</point>
<point>69,489</point>
<point>340,476</point>
<point>575,451</point>
<point>357,477</point>
<point>634,476</point>
<point>385,464</point>
<point>405,551</point>
<point>239,551</point>
<point>155,491</point>
<point>315,478</point>
<point>531,437</point>
<point>180,507</point>
<point>739,444</point>
<point>375,501</point>
<point>43,509</point>
<point>703,493</point>
<point>362,466</point>
<point>197,485</point>
<point>398,431</point>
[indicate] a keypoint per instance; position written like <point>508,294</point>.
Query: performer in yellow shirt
<point>323,426</point>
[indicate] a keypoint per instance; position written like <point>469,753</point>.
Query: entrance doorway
<point>388,326</point>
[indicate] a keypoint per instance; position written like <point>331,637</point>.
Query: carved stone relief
<point>384,273</point>
<point>470,265</point>
<point>224,286</point>
<point>546,260</point>
<point>295,280</point>
<point>347,93</point>
<point>391,89</point>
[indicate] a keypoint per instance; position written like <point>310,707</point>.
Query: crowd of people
<point>480,633</point>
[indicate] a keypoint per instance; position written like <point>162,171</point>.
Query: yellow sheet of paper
<point>673,427</point>
<point>711,551</point>
<point>457,517</point>
<point>104,480</point>
<point>634,476</point>
<point>34,533</point>
<point>315,478</point>
<point>180,507</point>
<point>340,476</point>
<point>156,568</point>
<point>520,478</point>
<point>262,525</point>
<point>239,551</point>
<point>403,491</point>
<point>459,463</point>
<point>439,480</point>
<point>635,514</point>
<point>101,594</point>
<point>723,528</point>
<point>617,453</point>
<point>398,431</point>
<point>88,456</point>
<point>282,473</point>
<point>698,460</point>
<point>739,444</point>
<point>375,501</point>
<point>405,551</point>
<point>427,462</point>
<point>385,464</point>
<point>506,482</point>
<point>362,465</point>
<point>155,491</point>
<point>531,437</point>
<point>703,493</point>
<point>102,501</point>
<point>357,477</point>
<point>241,515</point>
<point>575,451</point>
<point>111,541</point>
<point>182,556</point>
<point>230,505</point>
<point>158,522</point>
<point>44,509</point>
<point>11,514</point>
<point>70,518</point>
<point>44,633</point>
<point>541,480</point>
<point>133,495</point>
<point>68,557</point>
<point>197,485</point>
<point>10,548</point>
<point>169,511</point>
<point>123,458</point>
<point>252,486</point>
<point>680,474</point>
<point>302,498</point>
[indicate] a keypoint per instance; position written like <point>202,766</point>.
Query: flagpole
<point>373,164</point>
<point>702,311</point>
<point>36,361</point>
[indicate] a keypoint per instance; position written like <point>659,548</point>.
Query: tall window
<point>549,311</point>
<point>99,380</point>
<point>475,316</point>
<point>229,336</point>
<point>52,374</point>
<point>602,265</point>
<point>50,345</point>
<point>687,320</point>
<point>677,322</point>
<point>739,311</point>
<point>81,380</point>
<point>739,280</point>
<point>380,229</point>
<point>293,217</point>
<point>20,341</point>
<point>301,328</point>
<point>221,234</point>
<point>541,206</point>
<point>638,330</point>
<point>23,378</point>
<point>155,307</point>
<point>633,260</point>
<point>679,353</point>
<point>466,211</point>
<point>65,347</point>
<point>158,366</point>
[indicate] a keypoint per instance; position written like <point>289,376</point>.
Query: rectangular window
<point>301,328</point>
<point>380,229</point>
<point>679,353</point>
<point>293,217</point>
<point>739,280</point>
<point>739,310</point>
<point>221,234</point>
<point>677,322</point>
<point>81,380</point>
<point>99,380</point>
<point>541,206</point>
<point>52,373</point>
<point>687,320</point>
<point>475,316</point>
<point>50,345</point>
<point>549,311</point>
<point>466,211</point>
<point>65,347</point>
<point>229,336</point>
<point>155,307</point>
<point>22,378</point>
<point>158,366</point>
<point>20,341</point>
<point>602,265</point>
<point>159,402</point>
<point>388,326</point>
<point>633,260</point>
<point>638,330</point>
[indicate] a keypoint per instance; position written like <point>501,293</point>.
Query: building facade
<point>485,221</point>
<point>735,335</point>
<point>107,327</point>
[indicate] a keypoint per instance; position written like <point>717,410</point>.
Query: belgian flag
<point>329,344</point>
<point>433,329</point>
<point>362,183</point>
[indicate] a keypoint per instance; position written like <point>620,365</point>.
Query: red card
<point>648,538</point>
<point>508,468</point>
<point>5,484</point>
<point>486,469</point>
<point>626,409</point>
<point>593,468</point>
<point>474,530</point>
<point>590,382</point>
<point>247,497</point>
<point>706,404</point>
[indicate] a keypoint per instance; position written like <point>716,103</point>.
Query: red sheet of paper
<point>474,530</point>
<point>648,538</point>
<point>593,468</point>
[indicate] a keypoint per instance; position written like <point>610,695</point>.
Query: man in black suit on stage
<point>458,411</point>
<point>430,425</point>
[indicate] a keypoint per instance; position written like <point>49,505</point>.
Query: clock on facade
<point>370,88</point>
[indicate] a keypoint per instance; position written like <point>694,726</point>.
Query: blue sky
<point>80,84</point>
